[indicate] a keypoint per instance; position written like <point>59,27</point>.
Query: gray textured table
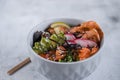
<point>17,18</point>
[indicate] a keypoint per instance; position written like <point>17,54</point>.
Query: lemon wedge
<point>59,24</point>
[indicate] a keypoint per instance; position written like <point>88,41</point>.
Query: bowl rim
<point>46,60</point>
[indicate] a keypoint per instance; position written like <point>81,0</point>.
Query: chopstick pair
<point>19,66</point>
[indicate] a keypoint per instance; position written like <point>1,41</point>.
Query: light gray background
<point>17,18</point>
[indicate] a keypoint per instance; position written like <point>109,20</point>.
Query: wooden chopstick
<point>19,66</point>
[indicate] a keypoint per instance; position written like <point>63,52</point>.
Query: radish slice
<point>85,43</point>
<point>70,36</point>
<point>71,41</point>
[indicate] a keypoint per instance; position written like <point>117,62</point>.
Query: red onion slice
<point>71,41</point>
<point>70,36</point>
<point>85,43</point>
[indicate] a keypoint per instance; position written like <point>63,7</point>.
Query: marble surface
<point>17,18</point>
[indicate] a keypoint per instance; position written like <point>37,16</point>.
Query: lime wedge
<point>59,24</point>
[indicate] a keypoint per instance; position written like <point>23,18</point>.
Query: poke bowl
<point>65,49</point>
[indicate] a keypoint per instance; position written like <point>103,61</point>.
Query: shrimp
<point>84,53</point>
<point>92,25</point>
<point>92,35</point>
<point>60,53</point>
<point>76,29</point>
<point>50,55</point>
<point>90,29</point>
<point>94,50</point>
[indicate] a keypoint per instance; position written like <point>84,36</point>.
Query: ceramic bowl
<point>58,70</point>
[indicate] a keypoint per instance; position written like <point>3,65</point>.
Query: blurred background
<point>18,17</point>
